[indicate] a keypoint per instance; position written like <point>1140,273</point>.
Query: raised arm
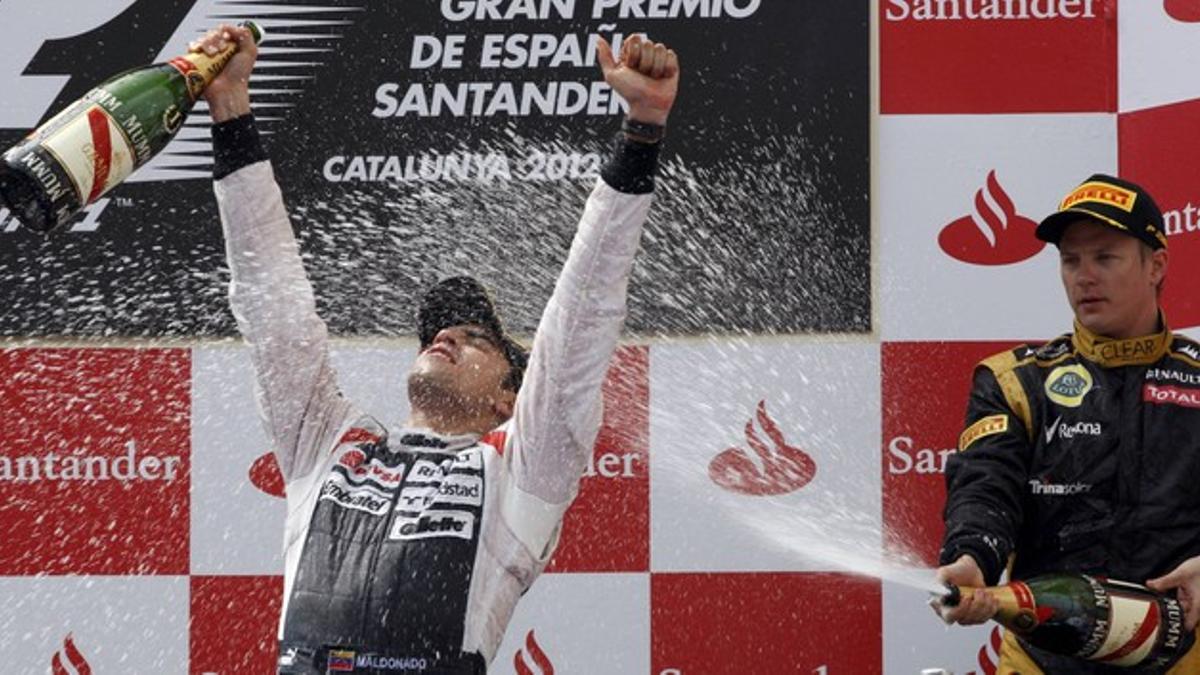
<point>270,294</point>
<point>558,410</point>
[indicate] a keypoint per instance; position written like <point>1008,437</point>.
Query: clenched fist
<point>646,76</point>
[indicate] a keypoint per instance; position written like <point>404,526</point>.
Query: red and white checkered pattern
<point>730,474</point>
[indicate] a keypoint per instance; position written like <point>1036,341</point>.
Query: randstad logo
<point>780,467</point>
<point>1067,385</point>
<point>994,234</point>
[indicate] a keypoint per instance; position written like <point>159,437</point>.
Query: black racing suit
<point>406,552</point>
<point>1081,455</point>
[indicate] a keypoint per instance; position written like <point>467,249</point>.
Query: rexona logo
<point>74,659</point>
<point>536,654</point>
<point>780,468</point>
<point>994,234</point>
<point>1187,11</point>
<point>266,476</point>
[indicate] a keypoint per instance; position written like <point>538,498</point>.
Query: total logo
<point>69,660</point>
<point>994,234</point>
<point>536,654</point>
<point>780,467</point>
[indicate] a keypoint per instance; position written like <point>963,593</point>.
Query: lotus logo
<point>781,468</point>
<point>994,234</point>
<point>79,665</point>
<point>1183,10</point>
<point>266,476</point>
<point>545,667</point>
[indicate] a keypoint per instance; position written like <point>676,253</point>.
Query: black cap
<point>463,300</point>
<point>1109,201</point>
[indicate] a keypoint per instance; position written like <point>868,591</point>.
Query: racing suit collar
<point>429,441</point>
<point>1111,353</point>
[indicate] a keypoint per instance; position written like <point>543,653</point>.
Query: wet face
<point>467,366</point>
<point>1111,279</point>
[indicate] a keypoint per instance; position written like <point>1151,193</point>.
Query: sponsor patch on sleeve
<point>988,426</point>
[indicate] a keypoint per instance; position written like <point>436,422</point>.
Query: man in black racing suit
<point>407,551</point>
<point>1083,454</point>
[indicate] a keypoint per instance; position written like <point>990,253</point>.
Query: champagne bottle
<point>1092,618</point>
<point>99,140</point>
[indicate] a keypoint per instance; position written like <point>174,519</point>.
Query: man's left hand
<point>1186,580</point>
<point>646,75</point>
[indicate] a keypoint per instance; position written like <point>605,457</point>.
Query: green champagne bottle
<point>99,140</point>
<point>1091,618</point>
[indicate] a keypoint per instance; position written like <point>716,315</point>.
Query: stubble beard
<point>431,393</point>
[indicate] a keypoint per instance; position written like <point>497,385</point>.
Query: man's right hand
<point>974,608</point>
<point>228,95</point>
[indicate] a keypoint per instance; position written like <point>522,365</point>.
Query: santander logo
<point>1183,10</point>
<point>266,476</point>
<point>539,658</point>
<point>989,654</point>
<point>994,234</point>
<point>79,665</point>
<point>781,468</point>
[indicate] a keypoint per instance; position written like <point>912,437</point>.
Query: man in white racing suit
<point>406,551</point>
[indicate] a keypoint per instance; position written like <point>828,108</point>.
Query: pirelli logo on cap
<point>988,426</point>
<point>1104,193</point>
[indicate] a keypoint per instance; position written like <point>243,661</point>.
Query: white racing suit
<point>406,552</point>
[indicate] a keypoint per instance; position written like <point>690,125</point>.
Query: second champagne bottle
<point>99,140</point>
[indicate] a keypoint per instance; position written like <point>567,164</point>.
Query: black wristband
<point>236,144</point>
<point>631,167</point>
<point>645,132</point>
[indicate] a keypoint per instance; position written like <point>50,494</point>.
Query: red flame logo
<point>785,468</point>
<point>74,657</point>
<point>266,476</point>
<point>989,659</point>
<point>1187,11</point>
<point>535,652</point>
<point>993,235</point>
